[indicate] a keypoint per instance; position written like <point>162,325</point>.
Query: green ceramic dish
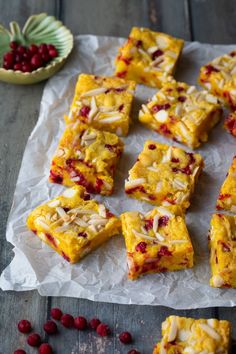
<point>38,29</point>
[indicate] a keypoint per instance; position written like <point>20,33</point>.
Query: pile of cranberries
<point>68,321</point>
<point>27,59</point>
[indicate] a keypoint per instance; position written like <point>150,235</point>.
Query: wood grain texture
<point>203,20</point>
<point>213,21</point>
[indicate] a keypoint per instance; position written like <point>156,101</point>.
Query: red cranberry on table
<point>67,320</point>
<point>103,330</point>
<point>94,323</point>
<point>56,313</point>
<point>19,351</point>
<point>34,340</point>
<point>80,323</point>
<point>45,348</point>
<point>50,327</point>
<point>125,337</point>
<point>24,326</point>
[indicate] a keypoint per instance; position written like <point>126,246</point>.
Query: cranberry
<point>53,53</point>
<point>36,61</point>
<point>182,98</point>
<point>24,326</point>
<point>18,58</point>
<point>34,340</point>
<point>26,68</point>
<point>82,234</point>
<point>7,66</point>
<point>67,320</point>
<point>94,322</point>
<point>163,251</point>
<point>50,327</point>
<point>139,43</point>
<point>84,111</point>
<point>56,313</point>
<point>157,54</point>
<point>225,247</point>
<point>175,160</point>
<point>159,107</point>
<point>152,146</point>
<point>56,178</point>
<point>86,196</point>
<point>148,224</point>
<point>164,129</point>
<point>210,68</point>
<point>45,57</point>
<point>45,348</point>
<point>80,323</point>
<point>50,46</point>
<point>33,48</point>
<point>180,88</point>
<point>121,74</point>
<point>163,221</point>
<point>125,337</point>
<point>133,351</point>
<point>103,330</point>
<point>27,56</point>
<point>13,45</point>
<point>19,351</point>
<point>21,49</point>
<point>98,185</point>
<point>120,108</point>
<point>141,247</point>
<point>8,58</point>
<point>43,48</point>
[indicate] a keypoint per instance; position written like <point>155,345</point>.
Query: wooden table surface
<point>211,21</point>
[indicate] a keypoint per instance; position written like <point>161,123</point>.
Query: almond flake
<point>157,61</point>
<point>92,228</point>
<point>93,110</point>
<point>167,155</point>
<point>155,222</point>
<point>210,331</point>
<point>195,171</point>
<point>178,109</point>
<point>178,184</point>
<point>134,182</point>
<point>97,222</point>
<point>54,203</point>
<point>161,116</point>
<point>60,152</point>
<point>164,211</point>
<point>183,335</point>
<point>159,186</point>
<point>81,211</point>
<point>211,98</point>
<point>89,136</point>
<point>153,169</point>
<point>106,109</point>
<point>111,119</point>
<point>211,322</point>
<point>143,53</point>
<point>183,129</point>
<point>142,235</point>
<point>41,223</point>
<point>161,42</point>
<point>151,50</point>
<point>159,236</point>
<point>63,228</point>
<point>145,108</point>
<point>171,54</point>
<point>80,222</point>
<point>62,214</point>
<point>207,85</point>
<point>173,330</point>
<point>75,179</point>
<point>190,90</point>
<point>94,92</point>
<point>177,241</point>
<point>69,193</point>
<point>102,210</point>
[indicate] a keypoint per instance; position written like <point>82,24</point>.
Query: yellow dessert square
<point>148,57</point>
<point>227,197</point>
<point>156,242</point>
<point>103,102</point>
<point>164,175</point>
<point>182,113</point>
<point>190,336</point>
<point>222,244</point>
<point>219,77</point>
<point>88,157</point>
<point>72,224</point>
<point>230,123</point>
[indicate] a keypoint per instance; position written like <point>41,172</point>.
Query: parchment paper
<point>102,276</point>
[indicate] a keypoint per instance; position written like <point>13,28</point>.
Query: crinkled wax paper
<point>102,275</point>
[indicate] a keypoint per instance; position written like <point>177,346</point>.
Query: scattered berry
<point>50,46</point>
<point>34,340</point>
<point>94,323</point>
<point>24,326</point>
<point>19,351</point>
<point>8,58</point>
<point>50,327</point>
<point>56,313</point>
<point>81,323</point>
<point>33,48</point>
<point>43,48</point>
<point>103,330</point>
<point>45,348</point>
<point>26,68</point>
<point>21,49</point>
<point>133,351</point>
<point>53,53</point>
<point>36,61</point>
<point>125,337</point>
<point>67,320</point>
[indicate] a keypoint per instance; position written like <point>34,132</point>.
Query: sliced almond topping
<point>41,223</point>
<point>92,228</point>
<point>161,116</point>
<point>134,182</point>
<point>167,155</point>
<point>80,222</point>
<point>153,169</point>
<point>54,203</point>
<point>151,50</point>
<point>63,228</point>
<point>143,53</point>
<point>183,335</point>
<point>145,109</point>
<point>81,211</point>
<point>69,193</point>
<point>211,322</point>
<point>62,214</point>
<point>157,61</point>
<point>155,222</point>
<point>177,241</point>
<point>161,42</point>
<point>179,184</point>
<point>159,186</point>
<point>173,330</point>
<point>164,211</point>
<point>178,109</point>
<point>184,129</point>
<point>94,92</point>
<point>190,90</point>
<point>97,222</point>
<point>195,171</point>
<point>159,236</point>
<point>111,119</point>
<point>210,331</point>
<point>89,136</point>
<point>142,235</point>
<point>60,152</point>
<point>102,210</point>
<point>207,85</point>
<point>171,54</point>
<point>93,109</point>
<point>106,108</point>
<point>211,98</point>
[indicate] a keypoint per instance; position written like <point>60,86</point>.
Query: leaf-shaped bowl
<point>38,29</point>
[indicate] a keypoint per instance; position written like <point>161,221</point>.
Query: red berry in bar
<point>19,351</point>
<point>13,45</point>
<point>80,323</point>
<point>56,313</point>
<point>24,326</point>
<point>34,340</point>
<point>36,61</point>
<point>125,337</point>
<point>45,348</point>
<point>50,327</point>
<point>94,322</point>
<point>67,320</point>
<point>103,330</point>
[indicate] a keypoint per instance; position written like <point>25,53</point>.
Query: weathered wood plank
<point>213,21</point>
